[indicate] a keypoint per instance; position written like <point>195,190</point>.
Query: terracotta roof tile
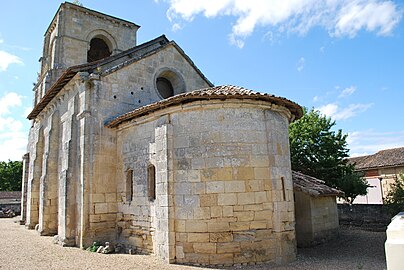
<point>217,92</point>
<point>313,186</point>
<point>384,158</point>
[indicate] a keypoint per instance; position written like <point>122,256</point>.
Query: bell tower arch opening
<point>99,49</point>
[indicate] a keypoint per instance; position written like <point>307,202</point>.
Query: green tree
<point>395,197</point>
<point>10,175</point>
<point>318,151</point>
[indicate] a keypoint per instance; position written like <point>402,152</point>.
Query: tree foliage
<point>395,197</point>
<point>318,151</point>
<point>10,175</point>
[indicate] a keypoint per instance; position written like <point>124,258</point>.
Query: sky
<point>344,58</point>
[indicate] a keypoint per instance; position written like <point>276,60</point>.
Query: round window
<point>164,87</point>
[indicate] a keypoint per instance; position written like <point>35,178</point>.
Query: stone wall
<point>224,193</point>
<point>316,219</point>
<point>372,217</point>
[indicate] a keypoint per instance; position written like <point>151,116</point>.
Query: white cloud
<point>373,15</point>
<point>7,59</point>
<point>1,40</point>
<point>339,18</point>
<point>336,113</point>
<point>300,64</point>
<point>13,145</point>
<point>8,101</point>
<point>369,141</point>
<point>176,27</point>
<point>12,137</point>
<point>347,92</point>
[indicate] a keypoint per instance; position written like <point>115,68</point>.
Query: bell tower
<point>78,35</point>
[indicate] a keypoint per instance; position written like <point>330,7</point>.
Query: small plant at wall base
<point>318,151</point>
<point>395,197</point>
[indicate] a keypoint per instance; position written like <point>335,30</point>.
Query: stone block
<point>217,226</point>
<point>208,200</point>
<point>202,213</point>
<point>260,197</point>
<point>100,208</point>
<point>253,207</point>
<point>209,248</point>
<point>110,197</point>
<point>245,198</point>
<point>181,237</point>
<point>183,188</point>
<point>227,211</point>
<point>198,188</point>
<point>244,215</point>
<point>243,173</point>
<point>261,173</point>
<point>231,247</point>
<point>221,259</point>
<point>196,226</point>
<point>198,237</point>
<point>225,174</point>
<point>221,237</point>
<point>112,207</point>
<point>240,226</point>
<point>216,211</point>
<point>258,224</point>
<point>98,198</point>
<point>254,185</point>
<point>234,186</point>
<point>188,247</point>
<point>179,252</point>
<point>227,199</point>
<point>215,187</point>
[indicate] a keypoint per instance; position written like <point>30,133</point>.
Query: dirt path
<point>25,249</point>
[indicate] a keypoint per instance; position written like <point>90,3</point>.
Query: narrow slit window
<point>283,188</point>
<point>151,173</point>
<point>129,185</point>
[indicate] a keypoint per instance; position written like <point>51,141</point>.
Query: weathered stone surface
<point>192,182</point>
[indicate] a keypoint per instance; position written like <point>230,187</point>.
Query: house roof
<point>10,194</point>
<point>313,186</point>
<point>108,65</point>
<point>384,158</point>
<point>217,92</point>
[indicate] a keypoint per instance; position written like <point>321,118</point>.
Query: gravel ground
<point>25,249</point>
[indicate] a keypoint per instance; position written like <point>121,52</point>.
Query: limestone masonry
<point>132,144</point>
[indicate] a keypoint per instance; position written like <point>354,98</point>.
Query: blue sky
<point>342,57</point>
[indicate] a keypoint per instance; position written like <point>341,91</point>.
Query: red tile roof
<point>218,92</point>
<point>313,186</point>
<point>384,158</point>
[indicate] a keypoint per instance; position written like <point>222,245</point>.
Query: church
<point>130,143</point>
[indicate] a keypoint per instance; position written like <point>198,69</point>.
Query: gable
<point>116,62</point>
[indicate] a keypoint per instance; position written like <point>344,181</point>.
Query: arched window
<point>151,177</point>
<point>129,185</point>
<point>98,50</point>
<point>164,87</point>
<point>169,83</point>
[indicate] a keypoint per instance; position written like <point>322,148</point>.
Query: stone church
<point>132,144</point>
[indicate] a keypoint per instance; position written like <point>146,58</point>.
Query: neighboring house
<point>316,210</point>
<point>11,200</point>
<point>124,148</point>
<point>380,170</point>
